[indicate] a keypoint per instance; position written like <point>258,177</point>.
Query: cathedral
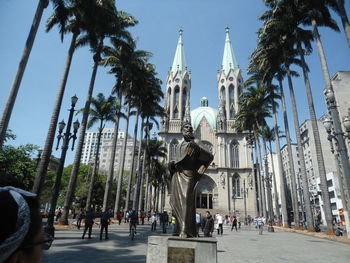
<point>227,185</point>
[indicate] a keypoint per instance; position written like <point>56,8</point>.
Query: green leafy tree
<point>17,168</point>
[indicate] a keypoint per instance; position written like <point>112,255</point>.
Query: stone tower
<point>178,87</point>
<point>229,83</point>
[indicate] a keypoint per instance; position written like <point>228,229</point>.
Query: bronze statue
<point>191,162</point>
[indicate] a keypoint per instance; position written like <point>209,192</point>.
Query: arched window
<point>232,101</point>
<point>223,95</point>
<point>173,149</point>
<point>236,185</point>
<point>176,102</point>
<point>184,99</point>
<point>234,154</point>
<point>168,101</point>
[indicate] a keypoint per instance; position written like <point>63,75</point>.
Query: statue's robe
<point>189,166</point>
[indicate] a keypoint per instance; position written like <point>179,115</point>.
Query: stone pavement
<point>246,245</point>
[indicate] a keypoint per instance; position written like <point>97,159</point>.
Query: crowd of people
<point>22,235</point>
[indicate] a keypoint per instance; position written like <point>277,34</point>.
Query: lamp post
<point>234,202</point>
<point>335,133</point>
<point>244,191</point>
<point>66,137</point>
<point>268,181</point>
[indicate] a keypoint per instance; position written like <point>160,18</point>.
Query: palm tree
<point>102,110</point>
<point>76,18</point>
<point>5,119</point>
<point>272,46</point>
<point>112,22</point>
<point>124,61</point>
<point>122,161</point>
<point>255,107</point>
<point>155,150</point>
<point>269,135</point>
<point>344,19</point>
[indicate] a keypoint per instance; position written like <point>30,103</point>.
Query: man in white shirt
<point>219,221</point>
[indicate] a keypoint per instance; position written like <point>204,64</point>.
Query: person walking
<point>153,222</point>
<point>208,225</point>
<point>119,217</point>
<point>142,216</point>
<point>234,223</point>
<point>80,217</point>
<point>219,221</point>
<point>260,223</point>
<point>198,223</point>
<point>89,221</point>
<point>172,225</point>
<point>105,221</point>
<point>164,218</point>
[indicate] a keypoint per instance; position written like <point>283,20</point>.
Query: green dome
<point>209,113</point>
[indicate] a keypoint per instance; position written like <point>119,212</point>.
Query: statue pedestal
<point>170,249</point>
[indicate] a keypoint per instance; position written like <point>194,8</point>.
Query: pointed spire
<point>229,59</point>
<point>179,63</point>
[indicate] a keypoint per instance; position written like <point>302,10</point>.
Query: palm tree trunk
<point>46,154</point>
<point>5,119</point>
<point>280,167</point>
<point>268,185</point>
<point>162,199</point>
<point>344,19</point>
<point>262,185</point>
<point>255,190</point>
<point>143,171</point>
<point>109,182</point>
<point>130,179</point>
<point>319,154</point>
<point>291,161</point>
<point>121,168</point>
<point>157,200</point>
<point>274,184</point>
<point>141,203</point>
<point>258,176</point>
<point>96,166</point>
<point>75,169</point>
<point>135,203</point>
<point>305,183</point>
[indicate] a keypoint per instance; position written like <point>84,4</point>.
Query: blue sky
<point>204,23</point>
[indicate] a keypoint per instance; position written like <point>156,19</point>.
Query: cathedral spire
<point>229,59</point>
<point>179,63</point>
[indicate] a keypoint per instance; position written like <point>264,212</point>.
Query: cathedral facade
<point>227,185</point>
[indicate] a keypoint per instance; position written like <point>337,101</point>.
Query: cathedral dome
<point>204,111</point>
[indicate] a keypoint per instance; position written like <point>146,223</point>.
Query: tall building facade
<point>221,188</point>
<point>105,154</point>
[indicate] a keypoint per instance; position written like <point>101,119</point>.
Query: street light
<point>335,133</point>
<point>244,191</point>
<point>66,137</point>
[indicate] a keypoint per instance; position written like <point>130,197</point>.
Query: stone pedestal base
<point>166,249</point>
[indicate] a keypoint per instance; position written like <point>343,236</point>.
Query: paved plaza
<point>246,245</point>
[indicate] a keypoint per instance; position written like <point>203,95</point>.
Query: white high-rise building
<point>90,147</point>
<point>90,143</point>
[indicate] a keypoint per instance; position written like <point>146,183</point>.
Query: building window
<point>329,183</point>
<point>222,95</point>
<point>232,101</point>
<point>236,186</point>
<point>173,149</point>
<point>176,102</point>
<point>234,154</point>
<point>184,99</point>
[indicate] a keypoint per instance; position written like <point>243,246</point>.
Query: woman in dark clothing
<point>208,225</point>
